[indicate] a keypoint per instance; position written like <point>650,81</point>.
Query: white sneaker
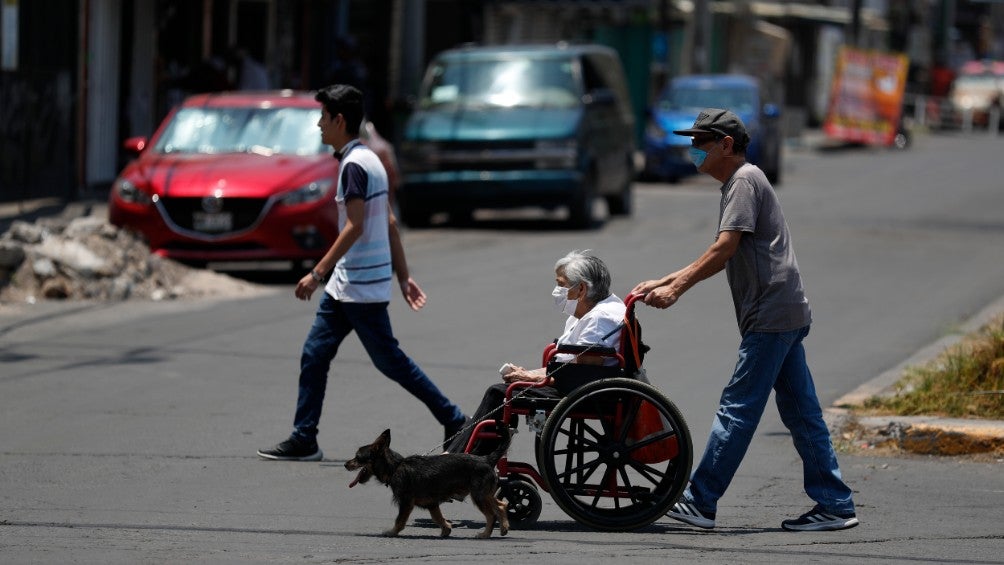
<point>687,512</point>
<point>816,520</point>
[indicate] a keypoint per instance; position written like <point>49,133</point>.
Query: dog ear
<point>383,441</point>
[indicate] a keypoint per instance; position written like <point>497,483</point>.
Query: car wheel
<point>902,139</point>
<point>462,217</point>
<point>774,172</point>
<point>580,209</point>
<point>621,204</point>
<point>415,217</point>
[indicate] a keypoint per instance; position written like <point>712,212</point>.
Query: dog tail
<point>494,456</point>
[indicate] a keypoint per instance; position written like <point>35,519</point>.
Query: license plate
<point>205,222</point>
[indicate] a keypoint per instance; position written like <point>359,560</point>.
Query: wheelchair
<point>614,453</point>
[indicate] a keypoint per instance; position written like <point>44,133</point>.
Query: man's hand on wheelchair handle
<point>662,297</point>
<point>645,287</point>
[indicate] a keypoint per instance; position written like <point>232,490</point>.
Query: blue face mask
<point>697,156</point>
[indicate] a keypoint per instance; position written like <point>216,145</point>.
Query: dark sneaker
<point>450,431</point>
<point>816,520</point>
<point>293,449</point>
<point>687,512</point>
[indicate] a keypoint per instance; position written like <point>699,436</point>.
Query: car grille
<point>486,156</point>
<point>245,211</point>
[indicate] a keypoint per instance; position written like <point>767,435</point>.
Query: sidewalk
<point>927,435</point>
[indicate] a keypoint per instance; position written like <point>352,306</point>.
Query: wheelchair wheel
<point>524,502</point>
<point>598,460</point>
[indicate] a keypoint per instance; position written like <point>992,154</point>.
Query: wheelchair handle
<point>630,300</point>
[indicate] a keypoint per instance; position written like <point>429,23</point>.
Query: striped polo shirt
<point>364,273</point>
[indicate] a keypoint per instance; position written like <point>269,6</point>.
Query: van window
<point>506,83</point>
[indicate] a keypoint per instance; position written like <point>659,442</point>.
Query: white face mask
<point>561,301</point>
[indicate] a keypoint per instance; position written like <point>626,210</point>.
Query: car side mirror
<point>134,145</point>
<point>771,111</point>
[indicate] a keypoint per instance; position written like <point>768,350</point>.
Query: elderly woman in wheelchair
<point>594,319</point>
<point>612,451</point>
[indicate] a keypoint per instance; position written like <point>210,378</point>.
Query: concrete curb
<point>926,435</point>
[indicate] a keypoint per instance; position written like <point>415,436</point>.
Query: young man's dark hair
<point>345,100</point>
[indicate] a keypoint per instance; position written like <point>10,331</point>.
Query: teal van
<point>515,126</point>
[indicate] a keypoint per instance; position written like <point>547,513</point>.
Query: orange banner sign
<point>866,101</point>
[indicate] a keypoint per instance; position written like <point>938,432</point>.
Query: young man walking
<point>361,263</point>
<point>754,247</point>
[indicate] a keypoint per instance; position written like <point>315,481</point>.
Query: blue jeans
<point>334,321</point>
<point>770,361</point>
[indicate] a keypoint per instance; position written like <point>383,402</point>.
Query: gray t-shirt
<point>763,274</point>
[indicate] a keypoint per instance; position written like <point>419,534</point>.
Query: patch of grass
<point>966,381</point>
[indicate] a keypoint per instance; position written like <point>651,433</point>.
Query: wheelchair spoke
<point>577,442</point>
<point>626,482</point>
<point>666,434</point>
<point>607,476</point>
<point>628,420</point>
<point>589,469</point>
<point>654,475</point>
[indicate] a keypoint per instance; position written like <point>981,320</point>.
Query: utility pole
<point>702,36</point>
<point>854,37</point>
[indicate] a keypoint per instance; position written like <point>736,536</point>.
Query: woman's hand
<point>521,375</point>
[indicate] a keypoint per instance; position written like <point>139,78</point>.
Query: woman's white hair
<point>580,267</point>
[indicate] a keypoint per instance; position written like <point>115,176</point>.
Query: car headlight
<point>311,192</point>
<point>129,192</point>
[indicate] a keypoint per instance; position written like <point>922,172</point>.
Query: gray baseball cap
<point>718,122</point>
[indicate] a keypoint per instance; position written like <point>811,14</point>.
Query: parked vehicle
<point>514,126</point>
<point>683,99</point>
<point>232,177</point>
<point>978,88</point>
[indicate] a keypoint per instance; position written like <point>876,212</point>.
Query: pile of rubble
<point>88,258</point>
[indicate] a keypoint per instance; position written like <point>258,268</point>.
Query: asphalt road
<point>130,430</point>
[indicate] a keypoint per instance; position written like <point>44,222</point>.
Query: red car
<point>232,177</point>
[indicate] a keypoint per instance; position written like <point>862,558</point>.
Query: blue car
<point>666,155</point>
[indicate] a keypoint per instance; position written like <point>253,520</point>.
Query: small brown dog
<point>427,481</point>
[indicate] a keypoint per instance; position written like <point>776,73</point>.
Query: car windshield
<point>739,100</point>
<point>266,131</point>
<point>506,83</point>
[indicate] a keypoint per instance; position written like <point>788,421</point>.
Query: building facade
<point>77,77</point>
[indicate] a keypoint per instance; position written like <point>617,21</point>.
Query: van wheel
<point>621,204</point>
<point>580,210</point>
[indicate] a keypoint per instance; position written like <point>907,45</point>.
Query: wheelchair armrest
<point>514,387</point>
<point>567,377</point>
<point>587,349</point>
